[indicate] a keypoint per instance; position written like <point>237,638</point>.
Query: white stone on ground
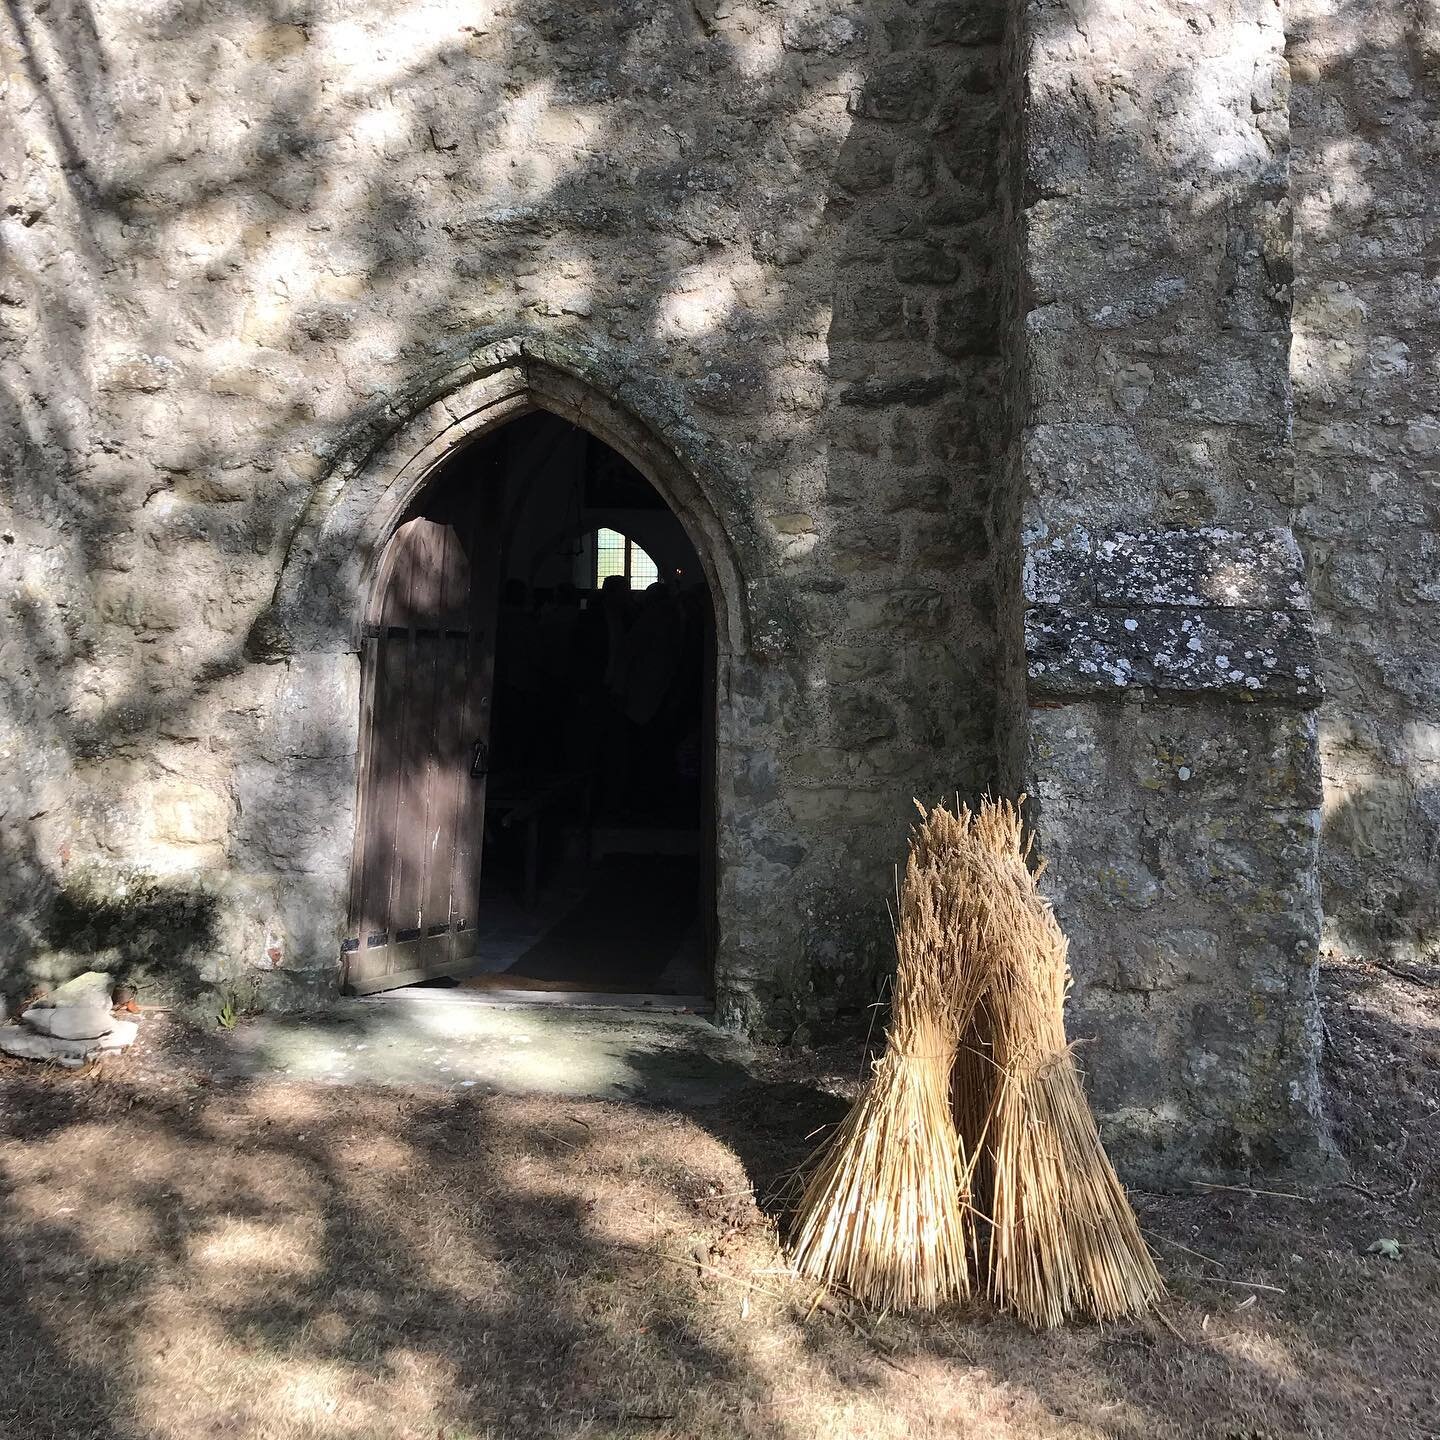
<point>26,1044</point>
<point>70,1022</point>
<point>93,987</point>
<point>31,1045</point>
<point>70,1025</point>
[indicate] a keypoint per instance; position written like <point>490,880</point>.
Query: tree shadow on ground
<point>190,1256</point>
<point>347,1264</point>
<point>774,1128</point>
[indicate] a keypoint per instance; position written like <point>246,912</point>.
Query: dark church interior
<point>598,759</point>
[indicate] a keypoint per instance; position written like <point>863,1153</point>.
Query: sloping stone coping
<point>1203,611</point>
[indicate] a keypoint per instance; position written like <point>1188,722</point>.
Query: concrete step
<point>519,1049</point>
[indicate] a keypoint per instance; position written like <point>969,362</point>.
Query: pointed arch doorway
<point>536,808</point>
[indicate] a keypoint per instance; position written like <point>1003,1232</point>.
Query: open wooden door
<point>428,673</point>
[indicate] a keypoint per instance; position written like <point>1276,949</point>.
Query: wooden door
<point>428,672</point>
<point>709,824</point>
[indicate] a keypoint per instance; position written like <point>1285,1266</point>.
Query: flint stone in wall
<point>878,391</point>
<point>965,23</point>
<point>965,323</point>
<point>897,89</point>
<point>822,29</point>
<point>729,388</point>
<point>924,263</point>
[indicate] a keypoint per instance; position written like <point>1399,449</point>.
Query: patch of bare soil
<point>184,1260</point>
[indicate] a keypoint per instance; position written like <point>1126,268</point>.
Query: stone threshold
<point>566,999</point>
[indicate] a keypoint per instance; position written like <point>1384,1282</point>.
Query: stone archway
<point>329,569</point>
<point>315,623</point>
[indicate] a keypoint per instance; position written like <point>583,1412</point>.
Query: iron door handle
<point>479,760</point>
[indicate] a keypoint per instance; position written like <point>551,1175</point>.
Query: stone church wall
<point>1172,665</point>
<point>238,236</point>
<point>971,327</point>
<point>1366,126</point>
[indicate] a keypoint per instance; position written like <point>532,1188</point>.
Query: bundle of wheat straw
<point>1063,1237</point>
<point>882,1216</point>
<point>976,1094</point>
<point>885,1214</point>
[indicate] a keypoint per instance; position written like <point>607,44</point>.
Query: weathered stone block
<point>879,392</point>
<point>898,88</point>
<point>824,28</point>
<point>965,22</point>
<point>72,1021</point>
<point>1168,959</point>
<point>1206,567</point>
<point>1248,654</point>
<point>924,263</point>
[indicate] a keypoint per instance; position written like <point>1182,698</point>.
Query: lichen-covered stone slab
<point>1207,566</point>
<point>1208,610</point>
<point>1241,654</point>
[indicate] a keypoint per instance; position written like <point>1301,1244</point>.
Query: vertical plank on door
<point>450,768</point>
<point>429,674</point>
<point>365,797</point>
<point>391,657</point>
<point>483,607</point>
<point>709,826</point>
<point>417,748</point>
<point>432,645</point>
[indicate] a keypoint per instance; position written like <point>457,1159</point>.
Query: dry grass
<point>885,1214</point>
<point>181,1261</point>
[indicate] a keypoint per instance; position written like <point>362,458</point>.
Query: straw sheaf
<point>972,1156</point>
